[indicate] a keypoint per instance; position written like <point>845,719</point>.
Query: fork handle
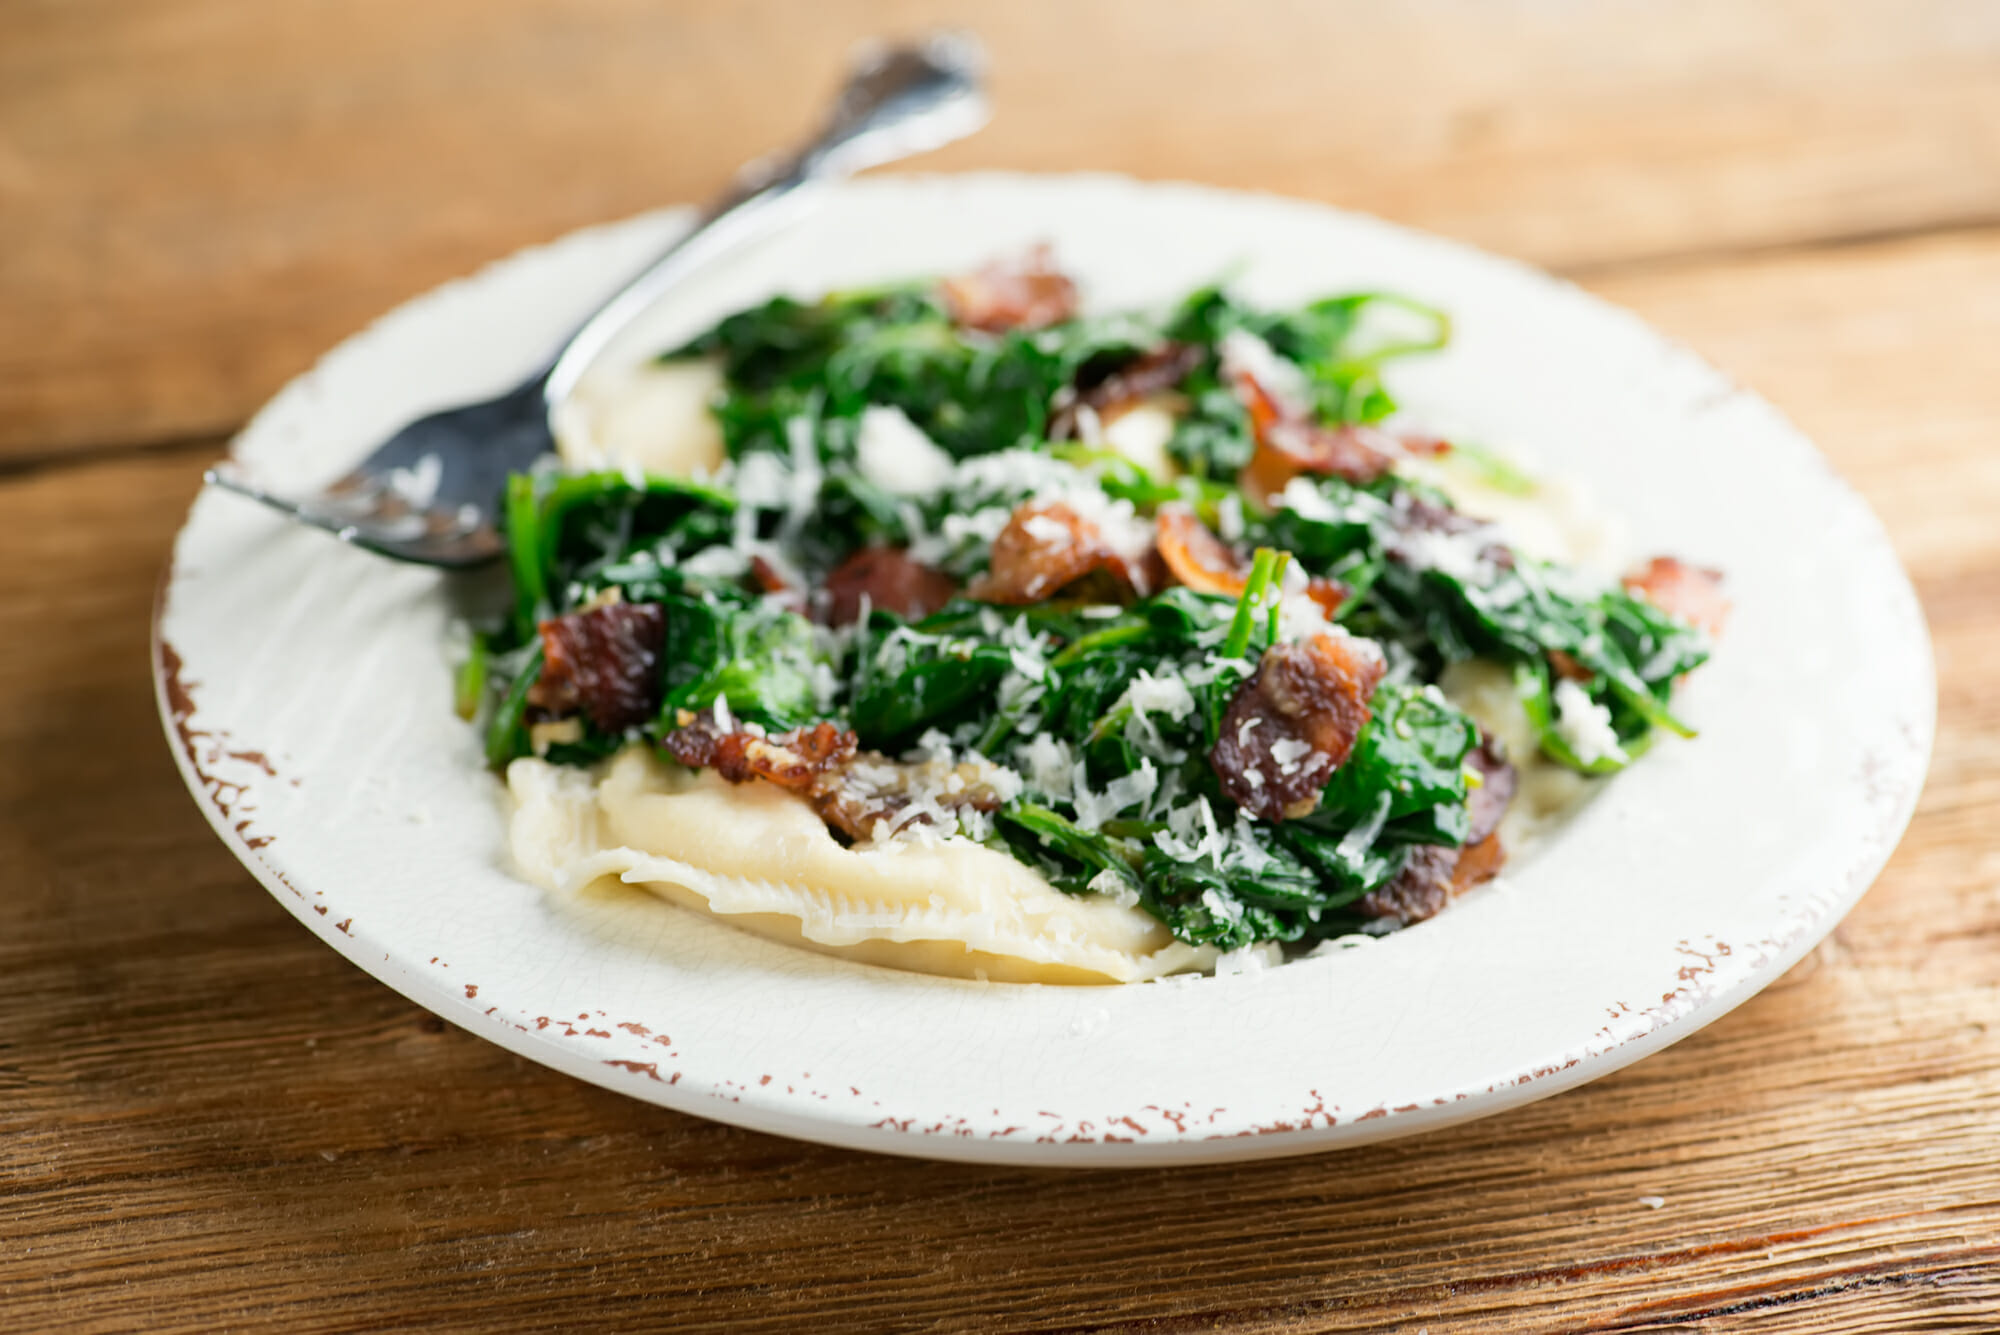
<point>898,101</point>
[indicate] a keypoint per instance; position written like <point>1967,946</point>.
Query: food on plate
<point>946,626</point>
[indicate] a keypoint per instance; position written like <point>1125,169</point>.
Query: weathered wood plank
<point>198,197</point>
<point>209,1121</point>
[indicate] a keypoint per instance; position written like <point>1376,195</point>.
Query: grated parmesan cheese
<point>1047,761</point>
<point>1245,354</point>
<point>1223,909</point>
<point>1229,517</point>
<point>1253,958</point>
<point>1124,792</point>
<point>760,480</point>
<point>1049,530</point>
<point>717,562</point>
<point>802,495</point>
<point>1118,521</point>
<point>957,532</point>
<point>893,453</point>
<point>1191,834</point>
<point>1300,618</point>
<point>1288,752</point>
<point>1114,887</point>
<point>1585,726</point>
<point>1460,555</point>
<point>1166,694</point>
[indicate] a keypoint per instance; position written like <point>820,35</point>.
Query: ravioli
<point>650,418</point>
<point>759,858</point>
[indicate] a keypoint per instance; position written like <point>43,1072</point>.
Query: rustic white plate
<point>306,691</point>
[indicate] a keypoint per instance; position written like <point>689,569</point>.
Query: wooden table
<point>208,1121</point>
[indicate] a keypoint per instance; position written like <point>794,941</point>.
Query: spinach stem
<point>1263,571</point>
<point>469,682</point>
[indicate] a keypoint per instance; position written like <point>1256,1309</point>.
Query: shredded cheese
<point>893,453</point>
<point>1585,726</point>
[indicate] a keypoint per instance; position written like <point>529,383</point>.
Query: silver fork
<point>431,493</point>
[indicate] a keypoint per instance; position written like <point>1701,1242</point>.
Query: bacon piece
<point>1433,877</point>
<point>1414,514</point>
<point>858,797</point>
<point>1026,292</point>
<point>602,661</point>
<point>1568,668</point>
<point>1045,548</point>
<point>1354,453</point>
<point>889,579</point>
<point>1205,563</point>
<point>853,791</point>
<point>1328,592</point>
<point>1692,593</point>
<point>767,576</point>
<point>1435,874</point>
<point>771,582</point>
<point>1153,371</point>
<point>1289,444</point>
<point>1477,864</point>
<point>1196,557</point>
<point>1420,890</point>
<point>1498,781</point>
<point>789,759</point>
<point>1419,514</point>
<point>1294,722</point>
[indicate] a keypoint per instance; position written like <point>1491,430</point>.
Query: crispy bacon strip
<point>1414,514</point>
<point>1328,592</point>
<point>1355,453</point>
<point>1420,890</point>
<point>1498,782</point>
<point>767,576</point>
<point>1435,875</point>
<point>1418,514</point>
<point>1045,548</point>
<point>603,662</point>
<point>1205,563</point>
<point>1692,593</point>
<point>1151,372</point>
<point>792,759</point>
<point>1289,443</point>
<point>1196,557</point>
<point>1477,864</point>
<point>771,582</point>
<point>1567,668</point>
<point>1026,292</point>
<point>888,578</point>
<point>1294,722</point>
<point>855,798</point>
<point>851,790</point>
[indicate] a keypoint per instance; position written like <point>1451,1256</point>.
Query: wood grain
<point>199,196</point>
<point>210,1122</point>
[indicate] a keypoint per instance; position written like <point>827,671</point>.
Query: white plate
<point>307,693</point>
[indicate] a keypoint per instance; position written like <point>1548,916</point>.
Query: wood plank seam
<point>1972,227</point>
<point>55,461</point>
